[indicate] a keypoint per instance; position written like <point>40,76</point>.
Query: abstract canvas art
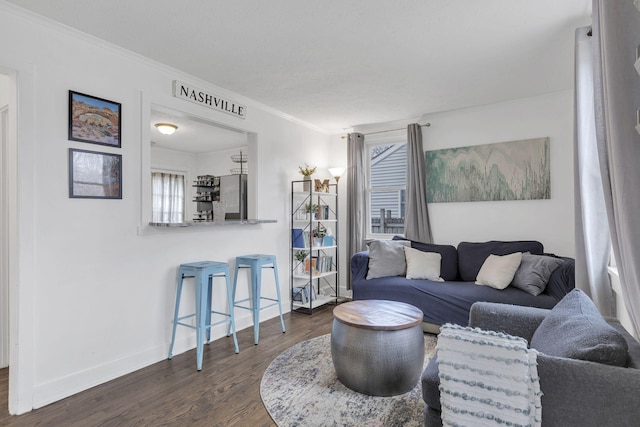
<point>516,170</point>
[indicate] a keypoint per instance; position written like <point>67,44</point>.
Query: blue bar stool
<point>256,263</point>
<point>203,272</point>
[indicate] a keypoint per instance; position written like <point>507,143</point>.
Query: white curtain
<point>416,220</point>
<point>356,197</point>
<point>168,197</point>
<point>616,35</point>
<point>592,233</point>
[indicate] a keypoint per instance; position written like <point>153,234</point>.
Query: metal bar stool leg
<point>201,315</point>
<point>232,320</point>
<point>176,313</point>
<point>207,322</point>
<point>233,297</point>
<point>275,273</point>
<point>256,285</point>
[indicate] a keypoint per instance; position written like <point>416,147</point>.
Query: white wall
<point>103,293</point>
<point>549,221</point>
<point>220,163</point>
<point>4,242</point>
<point>4,90</point>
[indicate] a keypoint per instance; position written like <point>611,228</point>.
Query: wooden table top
<point>378,315</point>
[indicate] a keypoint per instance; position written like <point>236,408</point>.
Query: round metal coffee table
<point>377,346</point>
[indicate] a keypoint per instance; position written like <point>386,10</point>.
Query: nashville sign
<point>202,97</point>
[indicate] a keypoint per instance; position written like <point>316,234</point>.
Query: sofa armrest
<point>359,265</point>
<point>511,319</point>
<point>582,393</point>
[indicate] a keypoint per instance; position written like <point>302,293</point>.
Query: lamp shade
<point>166,128</point>
<point>336,172</point>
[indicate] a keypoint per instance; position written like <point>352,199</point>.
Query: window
<point>386,187</point>
<point>168,191</point>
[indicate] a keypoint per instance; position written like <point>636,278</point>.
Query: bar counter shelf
<point>213,223</point>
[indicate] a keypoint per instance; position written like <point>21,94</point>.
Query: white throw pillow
<point>498,271</point>
<point>423,265</point>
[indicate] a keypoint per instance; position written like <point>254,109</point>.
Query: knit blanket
<point>487,379</point>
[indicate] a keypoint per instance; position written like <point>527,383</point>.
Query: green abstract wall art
<point>516,170</point>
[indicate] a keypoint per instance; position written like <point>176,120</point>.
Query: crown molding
<point>170,71</point>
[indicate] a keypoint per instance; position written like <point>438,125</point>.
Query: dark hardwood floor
<point>173,393</point>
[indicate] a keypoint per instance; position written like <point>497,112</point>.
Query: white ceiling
<point>337,63</point>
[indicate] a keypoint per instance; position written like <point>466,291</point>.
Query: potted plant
<point>306,172</point>
<point>300,256</point>
<point>318,235</point>
<point>311,208</point>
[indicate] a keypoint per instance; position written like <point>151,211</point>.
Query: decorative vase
<point>300,268</point>
<point>306,185</point>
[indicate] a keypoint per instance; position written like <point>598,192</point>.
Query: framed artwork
<point>94,120</point>
<point>94,175</point>
<point>515,170</point>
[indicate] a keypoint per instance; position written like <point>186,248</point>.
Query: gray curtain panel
<point>416,220</point>
<point>356,197</point>
<point>591,227</point>
<point>616,34</point>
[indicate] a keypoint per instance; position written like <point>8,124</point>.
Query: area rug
<point>300,388</point>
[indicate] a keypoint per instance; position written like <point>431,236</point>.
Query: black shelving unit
<point>314,279</point>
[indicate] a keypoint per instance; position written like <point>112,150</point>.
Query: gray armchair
<point>576,392</point>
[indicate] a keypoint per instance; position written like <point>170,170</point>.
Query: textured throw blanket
<point>487,379</point>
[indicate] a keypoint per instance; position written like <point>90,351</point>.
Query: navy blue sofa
<point>450,301</point>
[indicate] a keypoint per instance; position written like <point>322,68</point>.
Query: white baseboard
<point>52,391</point>
<point>60,388</point>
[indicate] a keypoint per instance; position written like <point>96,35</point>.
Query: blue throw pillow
<point>562,280</point>
<point>575,329</point>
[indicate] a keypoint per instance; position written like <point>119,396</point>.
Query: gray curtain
<point>591,227</point>
<point>616,34</point>
<point>356,197</point>
<point>416,220</point>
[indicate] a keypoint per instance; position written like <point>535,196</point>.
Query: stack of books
<point>304,294</point>
<point>318,264</point>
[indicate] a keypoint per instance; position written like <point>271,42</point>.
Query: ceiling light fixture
<point>166,128</point>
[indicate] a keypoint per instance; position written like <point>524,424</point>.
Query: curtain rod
<point>389,130</point>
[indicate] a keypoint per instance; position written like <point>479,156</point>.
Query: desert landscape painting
<point>94,120</point>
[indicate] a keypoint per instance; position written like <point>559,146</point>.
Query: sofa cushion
<point>471,256</point>
<point>497,271</point>
<point>533,274</point>
<point>422,265</point>
<point>386,258</point>
<point>575,329</point>
<point>562,280</point>
<point>430,380</point>
<point>449,262</point>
